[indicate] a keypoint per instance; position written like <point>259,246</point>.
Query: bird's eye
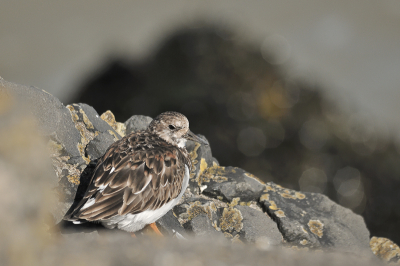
<point>171,127</point>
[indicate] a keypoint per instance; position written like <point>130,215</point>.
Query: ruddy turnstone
<point>140,177</point>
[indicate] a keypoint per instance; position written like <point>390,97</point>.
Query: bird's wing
<point>132,178</point>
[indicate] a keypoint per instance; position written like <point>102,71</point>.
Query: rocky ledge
<point>220,201</point>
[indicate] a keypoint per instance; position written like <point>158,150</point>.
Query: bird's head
<point>173,127</point>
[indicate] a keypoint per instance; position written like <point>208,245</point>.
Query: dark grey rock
<point>99,124</point>
<point>258,225</point>
<point>228,183</point>
<point>201,226</point>
<point>136,123</point>
<point>76,135</point>
<point>51,115</point>
<point>99,145</point>
<point>170,225</point>
<point>188,211</point>
<point>95,136</point>
<point>313,220</point>
<point>201,159</point>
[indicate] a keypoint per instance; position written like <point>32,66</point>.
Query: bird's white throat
<point>181,143</point>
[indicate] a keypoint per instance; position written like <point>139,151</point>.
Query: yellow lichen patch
<point>288,196</point>
<point>235,201</point>
<point>220,197</point>
<point>54,148</point>
<point>269,188</point>
<point>86,120</point>
<point>291,194</point>
<point>272,205</point>
<point>254,177</point>
<point>214,173</point>
<point>81,149</point>
<point>196,208</point>
<point>113,134</point>
<point>219,179</point>
<point>316,227</point>
<point>60,164</point>
<point>121,129</point>
<point>300,195</point>
<point>213,207</point>
<point>280,214</point>
<point>74,116</point>
<point>384,248</point>
<point>264,197</point>
<point>215,225</point>
<point>203,166</point>
<point>250,175</point>
<point>230,220</point>
<point>193,154</point>
<point>86,135</point>
<point>73,179</point>
<point>304,230</point>
<point>109,117</point>
<point>304,242</point>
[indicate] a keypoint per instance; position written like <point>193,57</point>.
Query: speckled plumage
<point>140,177</point>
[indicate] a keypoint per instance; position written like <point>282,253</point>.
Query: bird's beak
<point>191,136</point>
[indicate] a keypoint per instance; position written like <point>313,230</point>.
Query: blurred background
<point>302,93</point>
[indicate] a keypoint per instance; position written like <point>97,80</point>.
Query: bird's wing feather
<point>132,178</point>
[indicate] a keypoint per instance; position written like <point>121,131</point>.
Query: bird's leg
<point>133,235</point>
<point>155,229</point>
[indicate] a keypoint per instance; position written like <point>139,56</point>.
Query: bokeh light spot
<point>251,141</point>
<point>313,180</point>
<point>313,134</point>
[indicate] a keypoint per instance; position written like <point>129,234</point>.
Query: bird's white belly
<point>135,222</point>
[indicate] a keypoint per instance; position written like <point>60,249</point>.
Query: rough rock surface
<point>137,122</point>
<point>76,135</point>
<point>95,136</point>
<point>224,201</point>
<point>227,183</point>
<point>385,249</point>
<point>313,220</point>
<point>258,225</point>
<point>199,215</point>
<point>201,159</point>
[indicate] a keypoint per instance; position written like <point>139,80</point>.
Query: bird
<point>140,177</point>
